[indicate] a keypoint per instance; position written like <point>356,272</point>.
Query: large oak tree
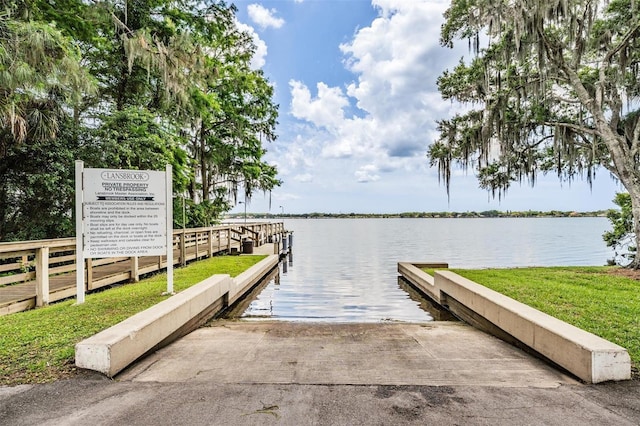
<point>553,87</point>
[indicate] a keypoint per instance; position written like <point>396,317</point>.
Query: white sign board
<point>124,213</point>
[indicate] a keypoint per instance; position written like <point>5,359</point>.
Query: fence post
<point>210,239</point>
<point>229,240</point>
<point>183,249</point>
<point>135,274</point>
<point>42,276</point>
<point>89,281</point>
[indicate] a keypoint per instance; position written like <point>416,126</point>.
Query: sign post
<point>169,231</point>
<point>79,235</point>
<point>123,213</point>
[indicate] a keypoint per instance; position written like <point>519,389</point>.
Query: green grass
<point>37,346</point>
<point>595,299</point>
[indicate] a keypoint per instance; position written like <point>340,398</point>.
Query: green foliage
<point>38,346</point>
<point>553,91</point>
<point>591,298</point>
<point>622,236</point>
<point>134,85</point>
<point>133,139</point>
<point>40,76</point>
<point>188,214</point>
<point>37,190</point>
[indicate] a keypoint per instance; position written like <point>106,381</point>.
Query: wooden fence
<point>49,266</point>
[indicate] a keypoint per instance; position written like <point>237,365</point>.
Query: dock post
<point>42,276</point>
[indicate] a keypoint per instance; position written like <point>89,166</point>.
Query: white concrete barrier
<point>113,349</point>
<point>420,279</point>
<point>246,280</point>
<point>587,356</point>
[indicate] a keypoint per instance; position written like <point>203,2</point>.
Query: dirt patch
<point>634,274</point>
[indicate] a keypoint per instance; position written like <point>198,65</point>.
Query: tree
<point>132,85</point>
<point>40,75</point>
<point>555,89</point>
<point>41,83</point>
<point>192,69</point>
<point>621,237</point>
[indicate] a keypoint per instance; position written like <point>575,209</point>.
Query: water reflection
<point>437,312</point>
<point>273,278</point>
<point>280,297</point>
<point>346,269</point>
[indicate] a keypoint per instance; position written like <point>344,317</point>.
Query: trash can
<point>247,246</point>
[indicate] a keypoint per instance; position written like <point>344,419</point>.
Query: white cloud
<point>376,128</point>
<point>367,173</point>
<point>398,58</point>
<point>258,59</point>
<point>395,61</point>
<point>263,17</point>
<point>326,110</point>
<point>298,153</point>
<point>284,196</point>
<point>304,178</point>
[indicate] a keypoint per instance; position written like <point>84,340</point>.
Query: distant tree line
<point>468,214</point>
<point>132,85</point>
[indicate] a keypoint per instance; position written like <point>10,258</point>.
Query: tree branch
<point>625,40</point>
<point>572,126</point>
<point>635,142</point>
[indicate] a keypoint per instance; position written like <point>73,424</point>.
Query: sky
<point>355,81</point>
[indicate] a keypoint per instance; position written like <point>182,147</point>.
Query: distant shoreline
<point>423,215</point>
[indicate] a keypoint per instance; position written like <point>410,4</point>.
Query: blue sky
<point>356,85</point>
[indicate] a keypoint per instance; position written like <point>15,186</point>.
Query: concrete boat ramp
<point>280,373</point>
<point>430,354</point>
<point>277,373</point>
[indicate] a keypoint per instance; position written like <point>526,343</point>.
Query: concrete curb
<point>113,349</point>
<point>246,280</point>
<point>581,353</point>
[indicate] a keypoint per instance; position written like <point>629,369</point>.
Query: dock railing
<point>50,265</point>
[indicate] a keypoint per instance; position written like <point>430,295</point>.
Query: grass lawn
<point>37,346</point>
<point>596,299</point>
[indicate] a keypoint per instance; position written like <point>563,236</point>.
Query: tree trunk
<point>635,208</point>
<point>624,168</point>
<point>203,165</point>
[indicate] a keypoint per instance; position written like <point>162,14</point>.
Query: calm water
<point>345,270</point>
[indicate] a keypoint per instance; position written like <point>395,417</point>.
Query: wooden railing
<point>45,261</point>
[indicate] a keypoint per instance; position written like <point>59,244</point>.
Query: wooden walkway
<point>21,296</point>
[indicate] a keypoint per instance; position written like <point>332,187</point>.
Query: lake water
<point>345,270</point>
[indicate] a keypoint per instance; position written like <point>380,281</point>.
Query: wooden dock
<point>35,273</point>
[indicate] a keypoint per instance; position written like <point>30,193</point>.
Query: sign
<point>124,213</point>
